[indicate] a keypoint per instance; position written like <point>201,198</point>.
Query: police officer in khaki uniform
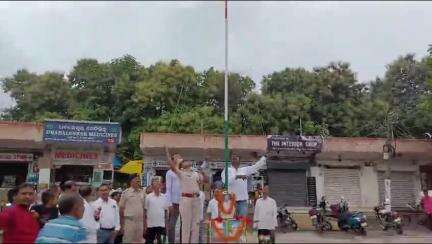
<point>190,204</point>
<point>132,211</point>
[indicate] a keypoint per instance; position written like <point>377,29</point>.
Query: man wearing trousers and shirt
<point>265,215</point>
<point>109,219</point>
<point>189,202</point>
<point>237,181</point>
<point>173,193</point>
<point>132,211</point>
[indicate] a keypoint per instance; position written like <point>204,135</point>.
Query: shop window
<point>12,174</point>
<point>78,173</point>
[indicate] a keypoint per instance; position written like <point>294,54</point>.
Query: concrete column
<point>417,184</point>
<point>369,187</point>
<point>317,172</point>
<point>44,170</point>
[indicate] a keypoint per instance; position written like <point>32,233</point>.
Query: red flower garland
<point>221,236</point>
<point>220,199</point>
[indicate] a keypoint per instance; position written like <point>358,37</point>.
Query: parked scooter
<point>388,220</point>
<point>355,221</point>
<point>319,218</point>
<point>285,220</point>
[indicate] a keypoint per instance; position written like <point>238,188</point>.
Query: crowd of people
<point>71,214</point>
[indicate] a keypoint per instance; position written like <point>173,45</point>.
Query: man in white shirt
<point>173,193</point>
<point>156,212</point>
<point>109,218</point>
<point>90,215</point>
<point>212,209</point>
<point>237,181</point>
<point>265,215</point>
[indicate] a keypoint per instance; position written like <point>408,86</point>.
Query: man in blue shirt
<point>66,228</point>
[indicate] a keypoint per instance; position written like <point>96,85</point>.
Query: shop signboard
<point>70,131</point>
<point>294,143</point>
<point>16,157</point>
<point>69,156</point>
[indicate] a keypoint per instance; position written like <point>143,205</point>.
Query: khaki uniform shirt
<point>133,203</point>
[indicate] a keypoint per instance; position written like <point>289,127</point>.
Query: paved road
<point>418,235</point>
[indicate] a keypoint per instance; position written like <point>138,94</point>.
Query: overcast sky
<point>263,36</point>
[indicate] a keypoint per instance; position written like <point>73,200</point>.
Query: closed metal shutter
<point>402,188</point>
<point>288,187</point>
<point>342,182</point>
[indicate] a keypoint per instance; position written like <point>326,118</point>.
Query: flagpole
<point>226,153</point>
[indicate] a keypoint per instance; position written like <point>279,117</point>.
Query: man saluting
<point>190,205</point>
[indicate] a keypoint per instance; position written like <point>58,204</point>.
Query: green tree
<point>213,89</point>
<point>333,95</point>
<point>37,96</point>
<point>403,87</point>
<point>166,88</point>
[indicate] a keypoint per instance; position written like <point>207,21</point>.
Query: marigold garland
<point>221,236</point>
<point>220,199</point>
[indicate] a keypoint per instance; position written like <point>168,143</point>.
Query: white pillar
<point>317,172</point>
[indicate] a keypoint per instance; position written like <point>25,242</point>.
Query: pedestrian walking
<point>66,228</point>
<point>48,209</point>
<point>156,213</point>
<point>173,193</point>
<point>265,215</point>
<point>237,182</point>
<point>189,202</point>
<point>19,225</point>
<point>108,212</point>
<point>90,217</point>
<point>132,211</point>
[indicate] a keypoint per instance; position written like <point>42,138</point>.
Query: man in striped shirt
<point>66,228</point>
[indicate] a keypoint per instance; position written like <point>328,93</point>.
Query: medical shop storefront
<point>82,151</point>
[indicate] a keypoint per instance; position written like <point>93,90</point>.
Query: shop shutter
<point>288,187</point>
<point>402,188</point>
<point>342,182</point>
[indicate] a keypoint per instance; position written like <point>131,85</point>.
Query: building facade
<point>21,147</point>
<point>350,167</point>
<point>54,151</point>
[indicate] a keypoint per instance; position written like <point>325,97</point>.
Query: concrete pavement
<point>374,236</point>
<point>413,233</point>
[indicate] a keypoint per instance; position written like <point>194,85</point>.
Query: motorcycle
<point>319,220</point>
<point>355,221</point>
<point>388,220</point>
<point>285,220</point>
<point>265,236</point>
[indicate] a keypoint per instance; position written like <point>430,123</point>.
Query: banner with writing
<point>82,132</point>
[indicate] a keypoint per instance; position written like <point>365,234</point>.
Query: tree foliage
<point>174,97</point>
